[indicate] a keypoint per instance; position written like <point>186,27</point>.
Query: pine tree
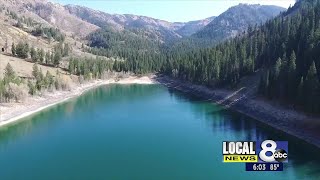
<point>48,57</point>
<point>312,89</point>
<point>57,58</point>
<point>32,88</point>
<point>300,95</point>
<point>26,50</point>
<point>292,77</point>
<point>35,71</point>
<point>52,57</point>
<point>66,50</point>
<point>277,68</point>
<point>41,55</point>
<point>71,66</point>
<point>13,50</point>
<point>49,80</point>
<point>9,74</point>
<point>40,80</point>
<point>33,54</point>
<point>22,50</point>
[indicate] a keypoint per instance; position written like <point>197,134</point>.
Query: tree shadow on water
<point>304,158</point>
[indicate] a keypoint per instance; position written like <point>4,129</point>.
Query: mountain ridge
<point>50,13</point>
<point>236,20</point>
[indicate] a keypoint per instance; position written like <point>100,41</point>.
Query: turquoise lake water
<point>139,132</point>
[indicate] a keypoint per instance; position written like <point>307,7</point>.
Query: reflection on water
<point>93,98</point>
<point>302,156</point>
<point>158,132</point>
<point>22,127</point>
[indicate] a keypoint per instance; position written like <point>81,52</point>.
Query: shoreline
<point>243,101</point>
<point>283,119</point>
<point>13,112</point>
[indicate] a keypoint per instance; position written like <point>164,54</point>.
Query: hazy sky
<point>170,10</point>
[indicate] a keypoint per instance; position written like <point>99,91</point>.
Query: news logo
<point>273,151</point>
<point>239,151</point>
<point>267,151</point>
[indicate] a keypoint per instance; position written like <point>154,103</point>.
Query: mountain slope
<point>236,20</point>
<point>194,26</point>
<point>283,53</point>
<point>51,14</point>
<point>153,28</point>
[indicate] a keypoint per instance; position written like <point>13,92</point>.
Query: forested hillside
<point>292,69</point>
<point>286,49</point>
<point>113,42</point>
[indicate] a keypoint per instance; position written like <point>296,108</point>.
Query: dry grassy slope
<point>9,34</point>
<point>56,15</point>
<point>124,21</point>
<point>24,68</point>
<point>50,13</point>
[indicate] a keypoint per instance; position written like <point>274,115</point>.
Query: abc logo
<point>280,155</point>
<point>269,147</point>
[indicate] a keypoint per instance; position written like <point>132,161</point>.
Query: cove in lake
<point>139,132</point>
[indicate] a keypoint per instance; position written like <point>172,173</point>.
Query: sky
<point>170,10</point>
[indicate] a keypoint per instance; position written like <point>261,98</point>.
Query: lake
<point>139,132</point>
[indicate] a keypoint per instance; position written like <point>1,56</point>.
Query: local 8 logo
<point>271,153</point>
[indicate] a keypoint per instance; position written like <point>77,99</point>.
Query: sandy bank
<point>12,112</point>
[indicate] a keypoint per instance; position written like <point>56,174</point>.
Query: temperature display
<point>264,167</point>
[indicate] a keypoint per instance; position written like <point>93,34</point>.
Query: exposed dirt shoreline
<point>13,112</point>
<point>298,124</point>
<point>241,100</point>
